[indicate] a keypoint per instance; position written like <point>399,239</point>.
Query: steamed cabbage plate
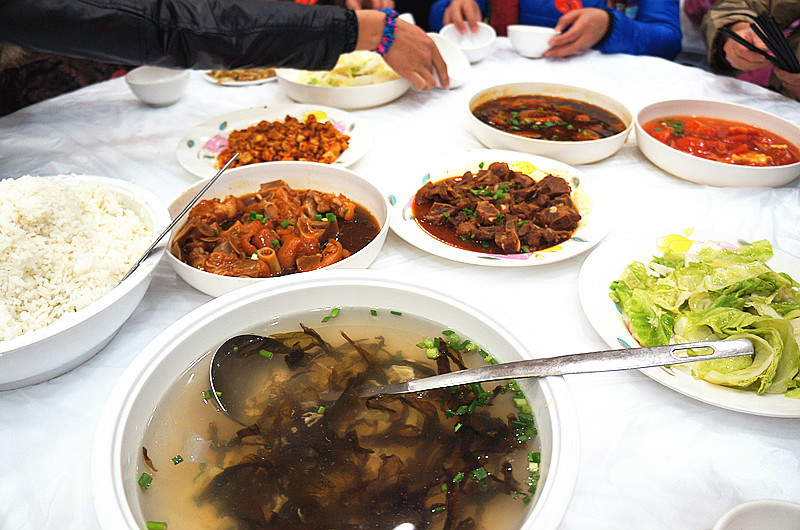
<point>712,291</point>
<point>352,69</point>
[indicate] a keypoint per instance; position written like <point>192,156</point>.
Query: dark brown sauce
<point>549,118</point>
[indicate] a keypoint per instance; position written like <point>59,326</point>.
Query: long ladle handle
<point>179,216</point>
<point>598,361</point>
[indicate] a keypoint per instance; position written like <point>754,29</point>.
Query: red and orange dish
<point>723,141</point>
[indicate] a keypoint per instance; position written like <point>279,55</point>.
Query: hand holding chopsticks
<point>767,30</point>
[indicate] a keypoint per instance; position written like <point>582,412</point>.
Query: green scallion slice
<point>266,354</point>
<point>156,525</point>
<point>331,217</point>
<point>145,480</point>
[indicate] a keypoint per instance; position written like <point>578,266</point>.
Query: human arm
<point>727,13</point>
<point>183,33</point>
<point>369,4</point>
<point>655,30</point>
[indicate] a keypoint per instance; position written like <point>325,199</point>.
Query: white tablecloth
<point>650,457</point>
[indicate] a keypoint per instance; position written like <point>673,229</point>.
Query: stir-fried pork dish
<point>275,231</point>
<point>497,210</point>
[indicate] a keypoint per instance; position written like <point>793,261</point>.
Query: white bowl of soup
<point>162,434</point>
<point>719,144</point>
<point>68,241</point>
<point>570,124</point>
<point>264,221</point>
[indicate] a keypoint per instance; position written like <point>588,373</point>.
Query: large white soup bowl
<point>117,451</point>
<point>340,97</point>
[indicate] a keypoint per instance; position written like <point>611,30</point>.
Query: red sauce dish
<point>723,141</point>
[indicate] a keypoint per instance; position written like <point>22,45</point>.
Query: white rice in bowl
<point>63,245</point>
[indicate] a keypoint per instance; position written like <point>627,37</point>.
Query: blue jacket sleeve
<point>655,31</point>
<point>436,17</point>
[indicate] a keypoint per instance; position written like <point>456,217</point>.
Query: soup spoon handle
<point>179,217</point>
<point>598,361</point>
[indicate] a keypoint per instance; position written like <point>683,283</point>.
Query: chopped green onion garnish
<point>285,223</point>
<point>373,312</point>
<point>396,312</point>
<point>432,353</point>
<point>318,217</point>
<point>177,459</point>
<point>276,243</point>
<point>331,217</point>
<point>439,509</point>
<point>458,426</point>
<point>458,478</point>
<point>320,410</point>
<point>444,487</point>
<point>156,525</point>
<point>266,353</point>
<point>145,480</point>
<point>335,311</point>
<point>448,332</point>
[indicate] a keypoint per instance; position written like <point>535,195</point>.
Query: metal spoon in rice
<point>178,217</point>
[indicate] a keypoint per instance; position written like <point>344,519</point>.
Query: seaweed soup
<point>318,456</point>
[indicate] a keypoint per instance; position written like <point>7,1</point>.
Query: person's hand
<point>413,54</point>
<point>463,13</point>
<point>740,57</point>
<point>369,4</point>
<point>791,82</point>
<point>579,30</point>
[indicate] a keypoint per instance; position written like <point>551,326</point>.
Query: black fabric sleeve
<point>183,33</point>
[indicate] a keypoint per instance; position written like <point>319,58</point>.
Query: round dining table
<point>650,457</point>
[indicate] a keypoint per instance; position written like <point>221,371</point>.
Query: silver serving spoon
<point>178,218</point>
<point>238,358</point>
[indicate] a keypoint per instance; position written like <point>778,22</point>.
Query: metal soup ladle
<point>238,359</point>
<point>178,217</point>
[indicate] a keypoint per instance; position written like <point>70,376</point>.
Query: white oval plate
<point>606,263</point>
<point>197,151</point>
<point>592,228</point>
<point>213,81</point>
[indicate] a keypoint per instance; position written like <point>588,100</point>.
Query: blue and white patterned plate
<point>197,151</point>
<point>591,229</point>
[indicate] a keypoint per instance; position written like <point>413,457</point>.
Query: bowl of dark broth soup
<point>312,454</point>
<point>571,124</point>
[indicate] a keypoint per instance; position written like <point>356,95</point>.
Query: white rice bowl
<point>65,244</point>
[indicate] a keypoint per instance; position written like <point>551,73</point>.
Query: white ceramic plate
<point>592,228</point>
<point>606,263</point>
<point>197,151</point>
<point>261,81</point>
<point>755,515</point>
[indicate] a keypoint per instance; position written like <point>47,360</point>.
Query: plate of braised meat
<point>502,209</point>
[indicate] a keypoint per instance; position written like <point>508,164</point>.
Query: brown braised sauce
<point>549,118</point>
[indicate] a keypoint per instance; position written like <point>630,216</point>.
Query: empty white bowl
<point>117,458</point>
<point>50,351</point>
<point>475,45</point>
<point>157,86</point>
<point>530,41</point>
<point>710,172</point>
<point>458,68</point>
<point>298,175</point>
<point>567,152</point>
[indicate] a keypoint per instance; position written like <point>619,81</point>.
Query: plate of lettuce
<point>693,286</point>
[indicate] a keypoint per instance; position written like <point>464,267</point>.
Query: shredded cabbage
<point>352,69</point>
<point>715,292</point>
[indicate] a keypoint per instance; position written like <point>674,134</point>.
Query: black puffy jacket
<point>183,33</point>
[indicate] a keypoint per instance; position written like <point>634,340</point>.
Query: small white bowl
<point>157,86</point>
<point>458,68</point>
<point>477,45</point>
<point>340,97</point>
<point>116,453</point>
<point>530,41</point>
<point>73,339</point>
<point>298,175</point>
<point>757,515</point>
<point>711,172</point>
<point>567,152</point>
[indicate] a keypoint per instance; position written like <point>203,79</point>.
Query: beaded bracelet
<point>388,32</point>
